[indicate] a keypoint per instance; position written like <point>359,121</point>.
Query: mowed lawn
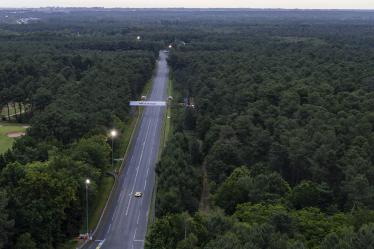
<point>6,142</point>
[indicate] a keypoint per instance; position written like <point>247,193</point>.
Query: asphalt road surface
<point>124,224</point>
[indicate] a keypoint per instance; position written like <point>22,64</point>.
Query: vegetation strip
<point>165,135</point>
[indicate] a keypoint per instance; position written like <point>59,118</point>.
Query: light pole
<point>113,134</point>
<point>87,183</point>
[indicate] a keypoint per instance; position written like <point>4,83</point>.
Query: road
<point>124,224</point>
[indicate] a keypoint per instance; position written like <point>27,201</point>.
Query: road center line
<point>140,160</point>
<point>137,221</point>
<point>110,226</point>
<point>136,229</point>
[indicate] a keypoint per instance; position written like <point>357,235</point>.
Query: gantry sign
<point>147,103</point>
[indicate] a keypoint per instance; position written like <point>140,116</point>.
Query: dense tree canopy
<point>282,111</point>
<point>71,83</point>
<point>272,148</point>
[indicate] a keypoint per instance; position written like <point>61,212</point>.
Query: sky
<point>301,4</point>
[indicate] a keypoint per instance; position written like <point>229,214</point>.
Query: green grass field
<point>6,142</point>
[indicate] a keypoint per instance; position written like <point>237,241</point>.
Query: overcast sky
<point>315,4</point>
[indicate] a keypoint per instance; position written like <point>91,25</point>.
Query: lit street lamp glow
<point>113,134</point>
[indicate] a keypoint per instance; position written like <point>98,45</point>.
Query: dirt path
<point>15,134</point>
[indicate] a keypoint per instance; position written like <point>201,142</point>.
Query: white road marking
<point>116,211</point>
<point>145,183</point>
<point>122,195</point>
<point>124,175</point>
<point>137,221</point>
<point>149,159</point>
<point>110,226</point>
<point>137,171</point>
<point>100,244</point>
<point>132,244</point>
<point>136,229</point>
<point>141,156</point>
<point>128,206</point>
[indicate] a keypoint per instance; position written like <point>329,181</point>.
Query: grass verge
<point>167,126</point>
<point>147,88</point>
<point>168,123</point>
<point>100,201</point>
<point>71,244</point>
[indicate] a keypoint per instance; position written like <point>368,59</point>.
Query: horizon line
<point>187,8</point>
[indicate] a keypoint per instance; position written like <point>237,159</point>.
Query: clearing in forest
<point>8,133</point>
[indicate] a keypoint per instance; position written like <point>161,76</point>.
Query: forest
<point>74,83</point>
<point>274,147</point>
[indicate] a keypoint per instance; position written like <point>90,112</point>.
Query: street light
<point>87,183</point>
<point>113,134</point>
